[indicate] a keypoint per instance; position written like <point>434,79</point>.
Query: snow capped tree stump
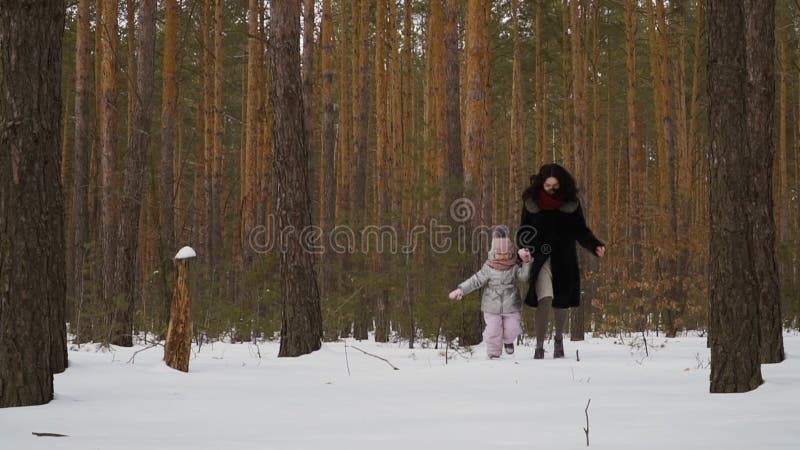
<point>179,334</point>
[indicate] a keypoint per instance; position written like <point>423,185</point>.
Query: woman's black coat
<point>552,234</point>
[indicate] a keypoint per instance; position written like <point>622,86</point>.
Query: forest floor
<point>241,396</point>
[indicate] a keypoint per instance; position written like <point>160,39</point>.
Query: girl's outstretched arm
<point>476,281</point>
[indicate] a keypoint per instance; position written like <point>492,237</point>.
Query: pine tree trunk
<point>382,96</point>
<point>208,139</point>
<point>198,188</point>
<point>355,50</point>
<point>80,176</point>
<point>346,55</point>
<point>179,170</point>
<point>593,164</point>
<point>396,126</point>
<point>733,282</point>
<point>781,174</point>
<point>477,154</point>
<point>659,177</point>
<point>95,187</point>
<point>252,134</point>
<point>308,94</point>
<point>217,164</point>
<point>611,208</point>
<point>668,180</point>
<point>567,156</point>
<point>516,157</point>
<point>540,116</point>
<point>434,101</point>
<point>476,102</point>
<point>168,138</point>
<point>696,152</point>
<point>130,77</point>
<point>579,106</point>
<point>66,173</point>
<point>667,118</point>
<point>301,324</point>
<point>454,157</point>
<point>328,167</point>
<point>33,293</point>
<point>361,126</point>
<point>108,156</point>
<point>241,247</point>
<point>760,41</point>
<point>635,185</point>
<point>682,163</point>
<point>408,147</point>
<point>344,144</point>
<point>125,290</point>
<point>395,112</point>
<point>453,152</point>
<point>264,184</point>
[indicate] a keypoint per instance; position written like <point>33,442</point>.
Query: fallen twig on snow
<point>376,356</point>
<point>130,361</point>
<point>48,434</point>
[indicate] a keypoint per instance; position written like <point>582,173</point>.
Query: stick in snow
<point>646,352</point>
<point>130,361</point>
<point>346,360</point>
<point>586,430</point>
<point>375,356</point>
<point>48,434</point>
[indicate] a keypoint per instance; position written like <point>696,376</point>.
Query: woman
<point>552,221</point>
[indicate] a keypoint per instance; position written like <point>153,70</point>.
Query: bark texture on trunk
<point>32,248</point>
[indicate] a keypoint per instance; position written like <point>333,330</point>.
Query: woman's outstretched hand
<point>600,251</point>
<point>456,294</point>
<point>525,255</point>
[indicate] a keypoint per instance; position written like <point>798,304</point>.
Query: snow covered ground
<point>232,399</point>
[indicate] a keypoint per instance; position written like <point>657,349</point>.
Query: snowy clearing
<point>232,399</point>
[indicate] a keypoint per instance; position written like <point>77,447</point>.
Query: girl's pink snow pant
<point>500,329</point>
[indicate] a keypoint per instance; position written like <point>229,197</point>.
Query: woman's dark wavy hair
<point>567,189</point>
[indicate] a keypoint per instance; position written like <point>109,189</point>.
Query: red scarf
<point>548,202</point>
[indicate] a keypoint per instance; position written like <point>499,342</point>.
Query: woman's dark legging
<point>540,320</point>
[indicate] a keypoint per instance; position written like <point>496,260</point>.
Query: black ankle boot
<point>558,348</point>
<point>509,348</point>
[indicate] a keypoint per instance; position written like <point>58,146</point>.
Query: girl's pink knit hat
<point>501,243</point>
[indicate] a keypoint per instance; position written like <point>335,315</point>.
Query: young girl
<point>501,302</point>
